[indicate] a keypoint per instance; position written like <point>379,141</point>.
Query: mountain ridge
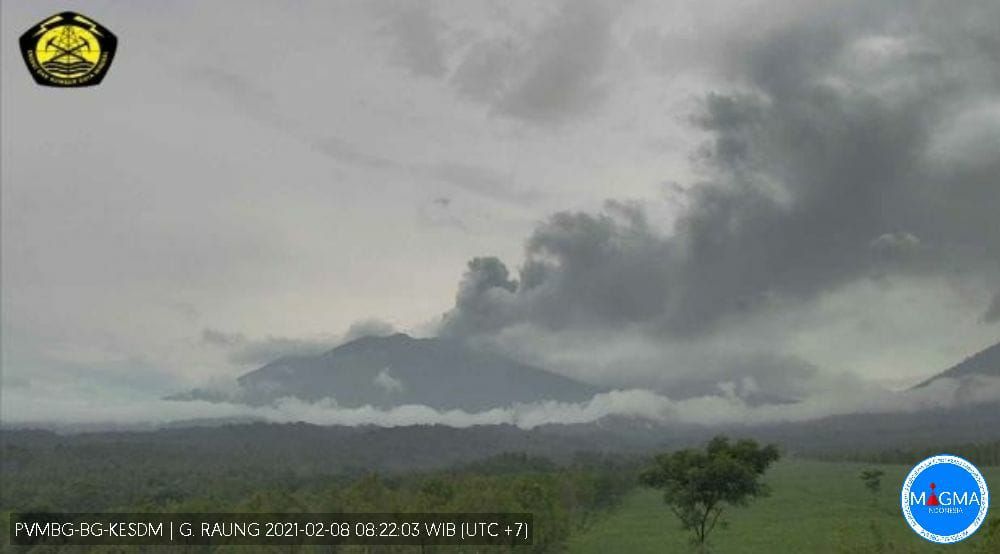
<point>985,362</point>
<point>396,370</point>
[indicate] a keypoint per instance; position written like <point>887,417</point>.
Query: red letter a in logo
<point>933,501</point>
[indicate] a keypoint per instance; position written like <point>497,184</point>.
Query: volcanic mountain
<point>984,363</point>
<point>399,369</point>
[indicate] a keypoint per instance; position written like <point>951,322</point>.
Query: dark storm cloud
<point>843,156</point>
<point>580,269</point>
<point>484,293</point>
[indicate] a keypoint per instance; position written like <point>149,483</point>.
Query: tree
<point>872,478</point>
<point>698,484</point>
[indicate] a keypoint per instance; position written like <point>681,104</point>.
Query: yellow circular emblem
<point>68,50</point>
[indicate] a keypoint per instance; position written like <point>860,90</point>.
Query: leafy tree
<point>872,478</point>
<point>437,492</point>
<point>699,484</point>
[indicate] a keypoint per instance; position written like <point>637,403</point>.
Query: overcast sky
<point>663,195</point>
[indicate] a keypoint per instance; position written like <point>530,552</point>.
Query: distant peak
<point>393,338</point>
<point>376,341</point>
<point>985,362</point>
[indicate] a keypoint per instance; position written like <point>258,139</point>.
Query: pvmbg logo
<point>945,499</point>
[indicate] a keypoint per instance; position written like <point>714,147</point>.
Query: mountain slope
<point>397,370</point>
<point>986,362</point>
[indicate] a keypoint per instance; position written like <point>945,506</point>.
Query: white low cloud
<point>387,382</point>
<point>33,406</point>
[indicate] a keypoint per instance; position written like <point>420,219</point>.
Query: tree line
<point>986,453</point>
<point>563,498</point>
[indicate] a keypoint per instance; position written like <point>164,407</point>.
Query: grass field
<point>814,507</point>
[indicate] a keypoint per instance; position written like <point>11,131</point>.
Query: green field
<point>814,507</point>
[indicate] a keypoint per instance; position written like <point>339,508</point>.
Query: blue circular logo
<point>945,499</point>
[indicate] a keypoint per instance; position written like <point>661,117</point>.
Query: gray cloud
<point>992,314</point>
<point>267,185</point>
<point>245,93</point>
<point>368,328</point>
<point>478,180</point>
<point>842,133</point>
<point>388,383</point>
<point>247,351</point>
<point>260,104</point>
<point>417,33</point>
<point>896,244</point>
<point>554,72</point>
<point>580,269</point>
<point>27,408</point>
<point>482,294</point>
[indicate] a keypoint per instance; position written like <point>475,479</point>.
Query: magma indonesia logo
<point>945,499</point>
<point>68,50</point>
